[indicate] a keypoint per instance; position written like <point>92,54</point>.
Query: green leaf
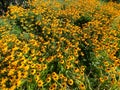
<point>10,45</point>
<point>16,30</point>
<point>26,36</point>
<point>1,22</point>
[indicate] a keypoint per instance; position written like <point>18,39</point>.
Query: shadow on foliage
<point>4,4</point>
<point>82,20</point>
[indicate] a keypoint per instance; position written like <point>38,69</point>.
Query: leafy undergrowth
<point>60,45</point>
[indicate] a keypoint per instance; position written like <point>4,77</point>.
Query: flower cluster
<point>60,45</point>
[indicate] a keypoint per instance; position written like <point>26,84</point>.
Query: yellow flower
<point>62,61</point>
<point>101,79</point>
<point>82,68</point>
<point>11,72</point>
<point>82,54</point>
<point>70,82</point>
<point>113,81</point>
<point>41,59</point>
<point>67,67</point>
<point>61,76</point>
<point>55,77</point>
<point>64,85</point>
<point>81,73</point>
<point>32,65</point>
<point>51,88</point>
<point>48,79</point>
<point>71,58</point>
<point>82,86</point>
<point>24,74</point>
<point>39,67</point>
<point>54,73</point>
<point>108,70</point>
<point>44,66</point>
<point>65,79</point>
<point>37,78</point>
<point>38,74</point>
<point>106,63</point>
<point>26,67</point>
<point>19,74</point>
<point>40,83</point>
<point>18,83</point>
<point>54,85</point>
<point>105,77</point>
<point>76,70</point>
<point>76,61</point>
<point>3,81</point>
<point>12,87</point>
<point>33,71</point>
<point>113,76</point>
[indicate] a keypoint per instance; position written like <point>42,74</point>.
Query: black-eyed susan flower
<point>49,75</point>
<point>108,70</point>
<point>70,81</point>
<point>101,79</point>
<point>39,67</point>
<point>13,87</point>
<point>33,71</point>
<point>51,88</point>
<point>55,77</point>
<point>67,67</point>
<point>113,81</point>
<point>26,67</point>
<point>48,79</point>
<point>81,73</point>
<point>37,78</point>
<point>82,86</point>
<point>64,84</point>
<point>41,59</point>
<point>82,68</point>
<point>18,83</point>
<point>76,70</point>
<point>38,74</point>
<point>11,72</point>
<point>61,76</point>
<point>76,61</point>
<point>32,65</point>
<point>54,85</point>
<point>40,83</point>
<point>54,73</point>
<point>44,66</point>
<point>24,74</point>
<point>112,75</point>
<point>105,77</point>
<point>106,63</point>
<point>61,61</point>
<point>65,79</point>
